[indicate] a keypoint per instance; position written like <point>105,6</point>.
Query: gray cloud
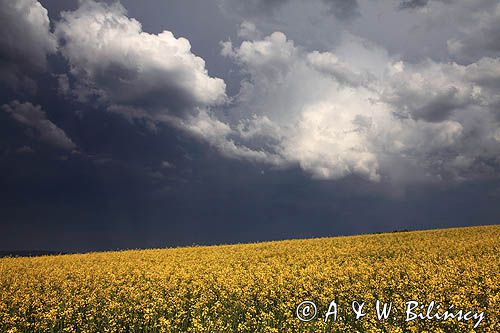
<point>24,43</point>
<point>25,150</point>
<point>252,7</point>
<point>440,107</point>
<point>328,63</point>
<point>482,39</point>
<point>33,117</point>
<point>341,9</point>
<point>353,109</point>
<point>113,60</point>
<point>382,104</point>
<point>412,4</point>
<point>485,74</point>
<point>426,104</point>
<point>407,4</point>
<point>435,91</point>
<point>350,108</point>
<point>335,115</point>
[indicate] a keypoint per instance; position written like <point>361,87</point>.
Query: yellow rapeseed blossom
<point>258,287</point>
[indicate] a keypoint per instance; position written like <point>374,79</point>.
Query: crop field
<point>263,287</point>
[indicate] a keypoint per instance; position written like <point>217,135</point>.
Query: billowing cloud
<point>207,128</point>
<point>370,115</point>
<point>25,42</point>
<point>429,91</point>
<point>473,32</point>
<point>328,63</point>
<point>268,59</point>
<point>114,60</point>
<point>482,39</point>
<point>485,75</point>
<point>33,117</point>
<point>351,108</point>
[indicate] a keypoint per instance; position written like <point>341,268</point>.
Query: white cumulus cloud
<point>367,115</point>
<point>114,60</point>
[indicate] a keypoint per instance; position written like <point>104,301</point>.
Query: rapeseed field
<point>264,287</point>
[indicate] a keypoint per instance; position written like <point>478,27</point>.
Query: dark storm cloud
<point>138,74</point>
<point>45,211</point>
<point>307,144</point>
<point>25,42</point>
<point>33,117</point>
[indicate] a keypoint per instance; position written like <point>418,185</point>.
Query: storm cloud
<point>113,60</point>
<point>331,114</point>
<point>336,117</point>
<point>246,120</point>
<point>33,117</point>
<point>25,42</point>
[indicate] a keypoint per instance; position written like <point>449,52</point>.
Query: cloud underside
<point>370,115</point>
<point>35,119</point>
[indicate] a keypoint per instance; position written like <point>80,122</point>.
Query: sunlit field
<point>258,287</point>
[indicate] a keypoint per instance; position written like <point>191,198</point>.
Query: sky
<point>170,123</point>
